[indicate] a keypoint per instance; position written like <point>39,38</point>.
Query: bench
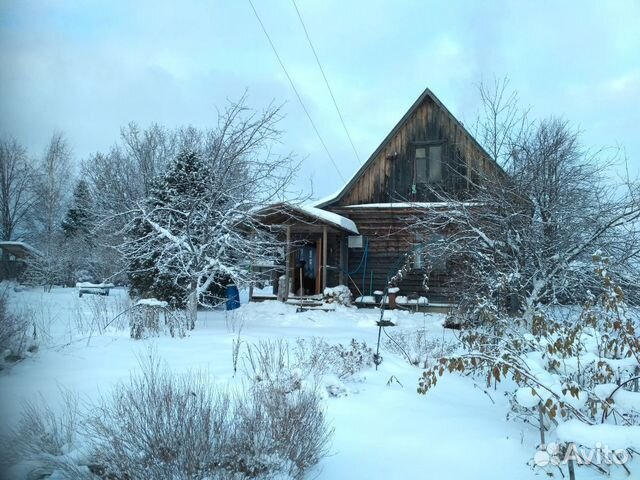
<point>94,288</point>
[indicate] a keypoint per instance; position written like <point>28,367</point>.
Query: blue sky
<point>87,68</point>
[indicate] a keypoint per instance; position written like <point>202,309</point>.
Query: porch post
<point>341,262</point>
<point>324,258</point>
<point>287,273</point>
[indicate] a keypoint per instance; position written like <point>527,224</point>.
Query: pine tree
<point>79,219</point>
<point>79,245</point>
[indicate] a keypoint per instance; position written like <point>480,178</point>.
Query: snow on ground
<point>381,431</point>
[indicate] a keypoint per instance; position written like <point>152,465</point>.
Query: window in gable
<point>428,164</point>
<point>435,163</point>
<point>421,165</point>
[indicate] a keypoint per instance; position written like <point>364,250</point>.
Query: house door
<point>306,270</point>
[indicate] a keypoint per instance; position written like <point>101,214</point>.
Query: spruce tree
<point>78,220</point>
<point>79,245</point>
<point>175,197</point>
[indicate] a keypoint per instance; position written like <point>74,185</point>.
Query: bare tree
<point>199,227</point>
<point>501,123</point>
<point>114,181</point>
<point>124,176</point>
<point>150,150</point>
<point>53,181</point>
<point>528,235</point>
<point>16,187</point>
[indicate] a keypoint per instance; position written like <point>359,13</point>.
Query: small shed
<point>14,258</point>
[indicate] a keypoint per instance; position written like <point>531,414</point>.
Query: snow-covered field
<point>381,430</point>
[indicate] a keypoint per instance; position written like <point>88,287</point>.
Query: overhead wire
<point>326,81</point>
<point>293,86</point>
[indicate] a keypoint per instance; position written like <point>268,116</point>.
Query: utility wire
<point>326,81</point>
<point>293,86</point>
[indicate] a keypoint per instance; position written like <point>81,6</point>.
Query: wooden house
<point>361,235</point>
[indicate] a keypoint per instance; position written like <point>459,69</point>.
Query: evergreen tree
<point>175,201</point>
<point>78,220</point>
<point>79,254</point>
<point>200,227</point>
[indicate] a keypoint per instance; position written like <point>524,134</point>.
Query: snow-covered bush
<point>47,441</point>
<point>339,294</point>
<point>580,370</point>
<point>15,333</point>
<point>416,347</point>
<point>280,433</point>
<point>352,358</point>
<point>309,361</point>
<point>271,362</point>
<point>149,317</point>
<point>341,361</point>
<point>161,425</point>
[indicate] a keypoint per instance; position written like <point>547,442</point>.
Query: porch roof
<point>312,215</point>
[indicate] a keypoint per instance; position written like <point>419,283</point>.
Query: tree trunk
<point>192,305</point>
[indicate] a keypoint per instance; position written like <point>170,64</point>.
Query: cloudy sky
<point>87,68</point>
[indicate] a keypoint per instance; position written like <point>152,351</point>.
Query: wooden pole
<point>318,267</point>
<point>342,263</point>
<point>541,422</point>
<point>324,258</point>
<point>301,291</point>
<point>287,273</point>
<point>572,471</point>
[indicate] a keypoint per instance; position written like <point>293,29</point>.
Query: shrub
<point>15,338</point>
<point>46,441</point>
<point>352,359</point>
<point>161,425</point>
<point>167,426</point>
<point>149,317</point>
<point>95,314</point>
<point>566,373</point>
<point>275,362</point>
<point>417,348</point>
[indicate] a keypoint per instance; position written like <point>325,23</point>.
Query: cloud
<point>87,68</point>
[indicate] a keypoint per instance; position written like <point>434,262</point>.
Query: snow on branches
<point>197,230</point>
<point>582,368</point>
<point>527,236</point>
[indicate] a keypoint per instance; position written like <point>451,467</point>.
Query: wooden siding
<point>388,176</point>
<point>389,237</point>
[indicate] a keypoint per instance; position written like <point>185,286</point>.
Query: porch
<point>316,252</point>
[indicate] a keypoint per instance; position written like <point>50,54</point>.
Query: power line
<point>326,81</point>
<point>273,47</point>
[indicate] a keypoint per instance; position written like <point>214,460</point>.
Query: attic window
<point>429,164</point>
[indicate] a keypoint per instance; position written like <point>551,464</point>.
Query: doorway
<point>307,269</point>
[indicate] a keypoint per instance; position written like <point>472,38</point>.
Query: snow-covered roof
<point>319,214</point>
<point>415,205</point>
<point>328,217</point>
<point>17,248</point>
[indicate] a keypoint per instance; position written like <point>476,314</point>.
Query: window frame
<point>424,178</point>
